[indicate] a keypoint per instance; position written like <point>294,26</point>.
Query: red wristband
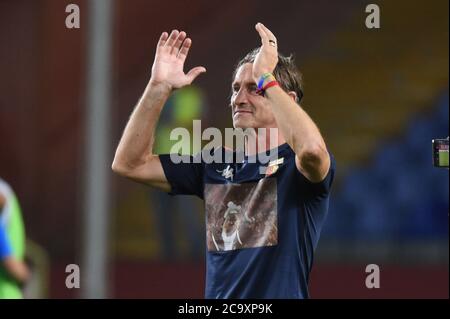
<point>268,85</point>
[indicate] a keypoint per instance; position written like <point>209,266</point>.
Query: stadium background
<point>379,97</point>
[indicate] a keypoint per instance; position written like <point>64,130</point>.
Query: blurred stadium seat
<point>399,193</point>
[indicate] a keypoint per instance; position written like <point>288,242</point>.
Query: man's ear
<point>293,95</point>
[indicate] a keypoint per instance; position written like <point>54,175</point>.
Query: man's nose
<point>241,97</point>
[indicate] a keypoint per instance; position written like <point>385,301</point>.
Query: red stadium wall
<point>186,280</point>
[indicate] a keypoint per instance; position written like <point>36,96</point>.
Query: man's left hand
<point>267,58</point>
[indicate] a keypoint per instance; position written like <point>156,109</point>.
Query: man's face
<point>249,110</point>
<point>231,219</point>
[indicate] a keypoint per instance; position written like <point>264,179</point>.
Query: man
<point>13,271</point>
<point>230,228</point>
<point>286,203</point>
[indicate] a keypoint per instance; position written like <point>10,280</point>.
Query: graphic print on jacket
<point>241,215</point>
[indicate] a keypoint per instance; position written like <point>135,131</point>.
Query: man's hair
<point>285,72</point>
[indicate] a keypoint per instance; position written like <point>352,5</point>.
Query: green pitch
<point>443,158</point>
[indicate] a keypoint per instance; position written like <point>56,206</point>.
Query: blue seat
<point>400,194</point>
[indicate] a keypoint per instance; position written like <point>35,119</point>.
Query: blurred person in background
<point>182,108</point>
<point>293,191</point>
<point>14,273</point>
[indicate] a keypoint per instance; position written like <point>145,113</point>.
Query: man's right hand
<point>171,52</point>
<point>134,155</point>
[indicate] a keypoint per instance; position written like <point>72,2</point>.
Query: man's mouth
<point>242,112</point>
